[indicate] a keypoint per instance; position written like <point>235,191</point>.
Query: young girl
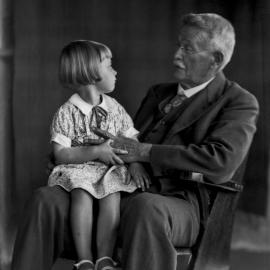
<point>88,167</point>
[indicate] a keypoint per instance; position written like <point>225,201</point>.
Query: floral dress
<point>71,126</point>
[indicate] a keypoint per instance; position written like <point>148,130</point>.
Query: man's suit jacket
<point>212,135</point>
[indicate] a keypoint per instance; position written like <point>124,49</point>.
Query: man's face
<point>194,60</point>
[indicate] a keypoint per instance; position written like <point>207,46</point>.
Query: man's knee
<point>145,207</point>
<point>48,199</point>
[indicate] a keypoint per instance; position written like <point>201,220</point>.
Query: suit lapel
<point>146,115</point>
<point>199,104</point>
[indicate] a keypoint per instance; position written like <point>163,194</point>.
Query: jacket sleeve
<point>224,147</point>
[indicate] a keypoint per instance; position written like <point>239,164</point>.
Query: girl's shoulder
<point>67,107</point>
<point>66,112</point>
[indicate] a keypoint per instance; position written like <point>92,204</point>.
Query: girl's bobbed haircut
<point>79,63</point>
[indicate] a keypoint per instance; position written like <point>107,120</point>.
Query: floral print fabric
<point>71,126</point>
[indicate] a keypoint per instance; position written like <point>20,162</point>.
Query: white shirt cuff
<point>61,139</point>
<point>131,132</point>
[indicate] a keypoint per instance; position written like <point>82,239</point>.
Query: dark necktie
<point>100,115</point>
<point>174,102</point>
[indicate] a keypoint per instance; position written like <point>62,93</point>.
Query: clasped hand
<point>134,150</point>
<point>130,151</point>
<point>108,154</point>
<point>131,147</point>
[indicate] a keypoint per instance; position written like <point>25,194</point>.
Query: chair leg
<point>183,259</point>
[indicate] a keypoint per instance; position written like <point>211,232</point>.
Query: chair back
<point>212,249</point>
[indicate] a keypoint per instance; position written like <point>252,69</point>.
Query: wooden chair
<point>212,250</point>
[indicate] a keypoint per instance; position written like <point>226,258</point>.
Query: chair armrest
<point>214,245</point>
<point>198,177</point>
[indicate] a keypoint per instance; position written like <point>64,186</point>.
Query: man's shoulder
<point>237,92</point>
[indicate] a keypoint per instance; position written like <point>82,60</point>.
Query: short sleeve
<point>126,124</point>
<point>62,130</point>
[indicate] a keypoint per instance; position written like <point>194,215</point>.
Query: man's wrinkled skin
<point>136,151</point>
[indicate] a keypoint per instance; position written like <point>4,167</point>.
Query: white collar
<point>85,107</point>
<point>192,91</point>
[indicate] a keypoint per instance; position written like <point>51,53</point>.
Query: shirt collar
<point>85,107</point>
<point>192,91</point>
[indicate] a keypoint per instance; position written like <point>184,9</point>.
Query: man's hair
<point>219,31</point>
<point>79,62</point>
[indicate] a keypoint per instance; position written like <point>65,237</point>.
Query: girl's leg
<point>81,219</point>
<point>107,226</point>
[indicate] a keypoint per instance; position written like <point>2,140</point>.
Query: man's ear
<point>218,58</point>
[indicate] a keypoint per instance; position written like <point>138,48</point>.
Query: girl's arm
<point>80,154</point>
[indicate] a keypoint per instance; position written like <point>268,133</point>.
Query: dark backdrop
<point>142,36</point>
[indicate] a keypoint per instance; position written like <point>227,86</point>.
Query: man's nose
<point>178,53</point>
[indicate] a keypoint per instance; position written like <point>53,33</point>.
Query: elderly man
<point>203,123</point>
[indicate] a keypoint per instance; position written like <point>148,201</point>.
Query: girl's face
<point>108,76</point>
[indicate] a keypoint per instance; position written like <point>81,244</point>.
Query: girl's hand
<point>139,176</point>
<point>108,155</point>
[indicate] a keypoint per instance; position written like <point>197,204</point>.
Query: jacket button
<point>162,122</point>
<point>146,138</point>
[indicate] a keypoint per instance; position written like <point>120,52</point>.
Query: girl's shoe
<point>106,263</point>
<point>84,265</point>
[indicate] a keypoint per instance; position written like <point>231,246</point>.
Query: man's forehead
<point>191,33</point>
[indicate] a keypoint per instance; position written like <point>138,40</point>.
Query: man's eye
<point>188,49</point>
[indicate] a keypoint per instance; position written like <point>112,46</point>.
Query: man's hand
<point>108,154</point>
<point>139,176</point>
<point>136,151</point>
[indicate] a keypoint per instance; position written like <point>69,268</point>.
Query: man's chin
<point>179,75</point>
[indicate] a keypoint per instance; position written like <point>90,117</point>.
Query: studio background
<point>142,36</point>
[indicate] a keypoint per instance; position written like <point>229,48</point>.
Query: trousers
<point>151,226</point>
<point>44,232</point>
